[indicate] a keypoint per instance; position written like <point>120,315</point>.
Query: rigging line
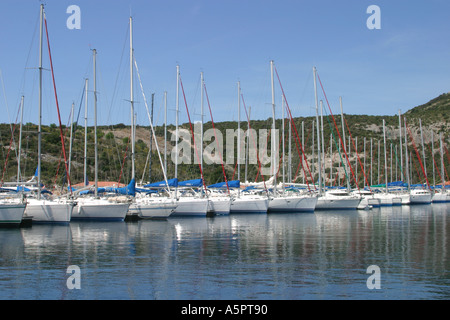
<point>57,107</point>
<point>342,143</point>
<point>298,139</point>
<point>217,142</point>
<point>151,126</point>
<point>193,137</point>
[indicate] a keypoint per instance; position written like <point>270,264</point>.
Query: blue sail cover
<point>231,184</point>
<point>129,190</point>
<point>397,184</point>
<point>191,183</point>
<point>162,184</point>
<point>99,190</point>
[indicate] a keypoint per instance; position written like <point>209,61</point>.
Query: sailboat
<point>282,201</point>
<point>333,199</point>
<point>12,209</point>
<point>147,204</point>
<point>44,209</point>
<point>219,202</point>
<point>386,198</point>
<point>418,195</point>
<point>248,200</point>
<point>189,203</point>
<point>92,207</point>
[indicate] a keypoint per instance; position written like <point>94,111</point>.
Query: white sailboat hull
<point>250,205</point>
<point>152,208</point>
<point>441,197</point>
<point>191,207</point>
<point>337,203</point>
<point>292,204</point>
<point>100,210</point>
<point>11,214</point>
<point>48,211</point>
<point>387,199</point>
<point>420,197</point>
<point>219,205</point>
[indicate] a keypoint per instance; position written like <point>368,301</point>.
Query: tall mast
<point>247,145</point>
<point>289,152</point>
<point>238,161</point>
<point>95,124</point>
<point>282,139</point>
<point>165,132</point>
<point>323,142</point>
<point>432,155</point>
<point>132,101</point>
<point>318,133</point>
<point>442,162</point>
<point>41,17</point>
<point>71,135</point>
<point>85,131</point>
<point>176,126</point>
<point>20,140</point>
<point>400,139</point>
<point>201,115</point>
<point>273,146</point>
<point>385,156</point>
<point>151,142</point>
<point>303,143</point>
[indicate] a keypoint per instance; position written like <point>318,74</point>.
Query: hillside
<point>115,160</point>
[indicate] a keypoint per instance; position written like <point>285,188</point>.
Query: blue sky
<point>404,64</point>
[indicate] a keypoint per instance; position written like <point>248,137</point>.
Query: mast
<point>442,162</point>
<point>176,126</point>
<point>401,148</point>
<point>432,155</point>
<point>151,143</point>
<point>318,133</point>
<point>323,142</point>
<point>20,140</point>
<point>303,143</point>
<point>282,138</point>
<point>385,156</point>
<point>239,136</point>
<point>132,102</point>
<point>85,131</point>
<point>71,136</point>
<point>365,156</point>
<point>247,145</point>
<point>95,124</point>
<point>201,116</point>
<point>273,138</point>
<point>41,16</point>
<point>289,152</point>
<point>165,131</point>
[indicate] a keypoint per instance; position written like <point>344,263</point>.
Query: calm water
<point>324,255</point>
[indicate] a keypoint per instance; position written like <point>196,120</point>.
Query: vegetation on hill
<point>114,149</point>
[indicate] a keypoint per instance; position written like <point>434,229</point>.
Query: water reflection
<point>287,256</point>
